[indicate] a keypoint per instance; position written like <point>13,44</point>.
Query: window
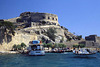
<point>52,18</point>
<point>48,17</point>
<point>56,19</point>
<point>43,17</point>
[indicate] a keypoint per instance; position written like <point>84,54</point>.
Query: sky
<point>79,16</point>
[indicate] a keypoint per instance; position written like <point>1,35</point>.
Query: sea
<point>67,59</point>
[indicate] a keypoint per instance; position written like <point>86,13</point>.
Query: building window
<point>52,18</point>
<point>48,17</point>
<point>56,19</point>
<point>43,17</point>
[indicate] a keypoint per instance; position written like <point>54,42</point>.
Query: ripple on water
<point>49,60</point>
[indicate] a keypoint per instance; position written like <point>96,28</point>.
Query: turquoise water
<point>49,60</point>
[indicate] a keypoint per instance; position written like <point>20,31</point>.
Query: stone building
<point>38,18</point>
<point>91,41</point>
<point>94,38</point>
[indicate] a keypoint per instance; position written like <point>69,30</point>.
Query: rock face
<point>61,34</point>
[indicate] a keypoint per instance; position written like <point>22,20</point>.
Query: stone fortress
<point>35,18</point>
<point>33,26</point>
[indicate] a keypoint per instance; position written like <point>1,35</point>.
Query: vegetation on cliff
<point>79,46</point>
<point>51,33</point>
<point>7,27</point>
<point>59,45</point>
<point>19,46</point>
<point>6,31</point>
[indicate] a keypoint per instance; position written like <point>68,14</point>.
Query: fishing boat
<point>84,52</point>
<point>36,48</point>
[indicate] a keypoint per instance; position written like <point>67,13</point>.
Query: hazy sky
<point>79,16</point>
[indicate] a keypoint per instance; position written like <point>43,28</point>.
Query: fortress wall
<point>18,39</point>
<point>44,17</point>
<point>39,17</point>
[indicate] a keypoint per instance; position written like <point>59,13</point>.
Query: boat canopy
<point>35,41</point>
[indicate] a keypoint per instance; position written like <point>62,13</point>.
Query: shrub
<point>60,45</point>
<point>44,45</point>
<point>75,46</point>
<point>79,37</point>
<point>79,45</point>
<point>19,47</point>
<point>14,47</point>
<point>49,44</point>
<point>23,45</point>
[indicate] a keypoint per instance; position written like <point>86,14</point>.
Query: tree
<point>19,47</point>
<point>82,45</point>
<point>61,45</point>
<point>23,45</point>
<point>79,46</point>
<point>14,47</point>
<point>51,33</point>
<point>75,46</point>
<point>49,45</point>
<point>44,45</point>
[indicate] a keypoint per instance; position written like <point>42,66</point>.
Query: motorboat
<point>36,48</point>
<point>84,52</point>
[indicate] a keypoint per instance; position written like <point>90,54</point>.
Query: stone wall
<point>18,39</point>
<point>39,17</point>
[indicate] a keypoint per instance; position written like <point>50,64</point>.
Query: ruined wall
<point>18,39</point>
<point>39,17</point>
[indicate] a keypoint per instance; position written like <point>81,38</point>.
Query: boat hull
<point>37,53</point>
<point>84,55</point>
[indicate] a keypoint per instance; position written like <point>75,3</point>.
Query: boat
<point>84,52</point>
<point>58,50</point>
<point>36,48</point>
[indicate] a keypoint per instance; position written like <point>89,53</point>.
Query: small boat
<point>84,52</point>
<point>36,48</point>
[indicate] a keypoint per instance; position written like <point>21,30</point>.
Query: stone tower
<point>38,18</point>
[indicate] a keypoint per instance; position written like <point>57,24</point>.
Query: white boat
<point>84,52</point>
<point>36,48</point>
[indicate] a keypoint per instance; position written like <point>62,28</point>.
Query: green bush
<point>14,47</point>
<point>61,45</point>
<point>23,45</point>
<point>49,44</point>
<point>79,45</point>
<point>75,46</point>
<point>19,47</point>
<point>82,45</point>
<point>44,45</point>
